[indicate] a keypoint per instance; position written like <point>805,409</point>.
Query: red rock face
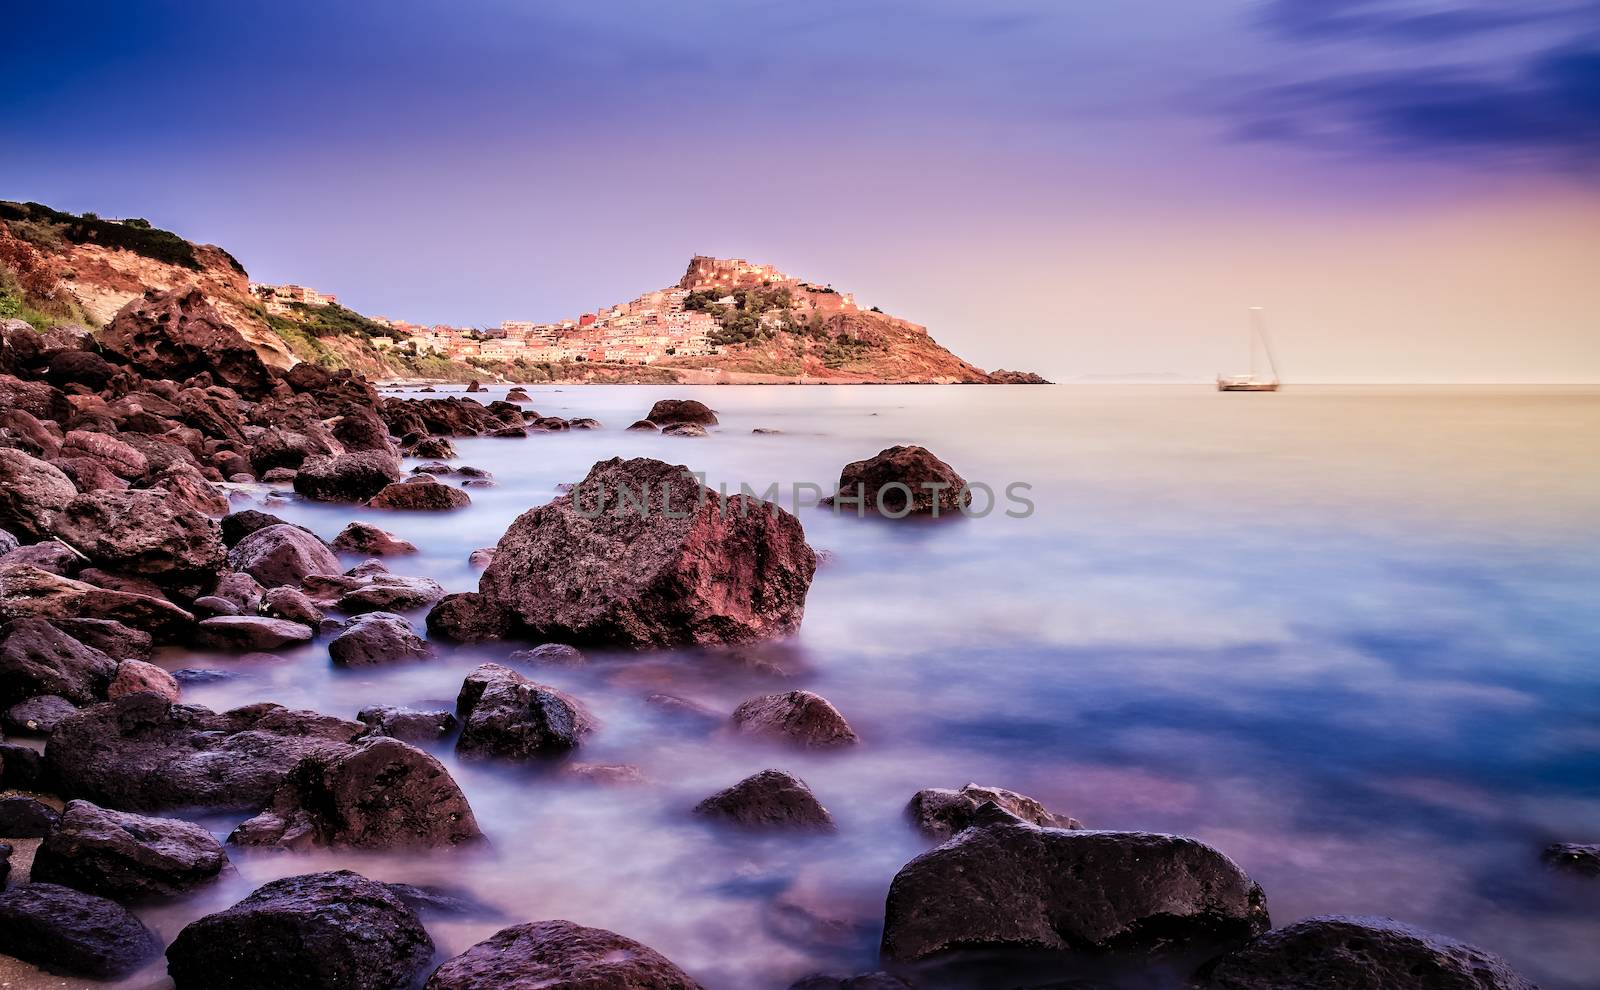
<point>673,573</point>
<point>177,334</point>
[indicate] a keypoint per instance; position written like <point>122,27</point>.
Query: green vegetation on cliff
<point>47,228</point>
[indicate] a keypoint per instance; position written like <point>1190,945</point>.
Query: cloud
<point>1410,22</point>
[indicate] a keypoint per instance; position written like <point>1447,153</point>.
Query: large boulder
<point>469,617</point>
<point>409,724</point>
<point>418,495</point>
<point>291,604</point>
<point>143,532</point>
<point>939,812</point>
<point>680,571</point>
<point>142,677</point>
<point>1005,883</point>
<point>506,716</point>
<point>37,658</point>
<point>384,794</point>
<point>770,799</point>
<point>1338,953</point>
<point>331,931</point>
<point>122,459</point>
<point>37,399</point>
<point>143,753</point>
<point>670,412</point>
<point>238,525</point>
<point>281,448</point>
<point>176,335</point>
<point>377,638</point>
<point>799,718</point>
<point>28,592</point>
<point>62,930</point>
<point>114,639</point>
<point>353,477</point>
<point>76,367</point>
<point>250,633</point>
<point>370,541</point>
<point>121,855</point>
<point>31,493</point>
<point>391,593</point>
<point>282,555</point>
<point>900,481</point>
<point>559,955</point>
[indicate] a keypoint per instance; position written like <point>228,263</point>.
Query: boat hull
<point>1247,386</point>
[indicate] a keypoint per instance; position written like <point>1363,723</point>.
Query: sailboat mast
<point>1259,326</point>
<point>1255,333</point>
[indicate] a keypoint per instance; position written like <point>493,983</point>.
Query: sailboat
<point>1258,342</point>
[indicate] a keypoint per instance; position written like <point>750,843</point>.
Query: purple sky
<point>1088,188</point>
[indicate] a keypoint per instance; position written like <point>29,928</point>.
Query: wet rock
<point>883,480</point>
<point>23,769</point>
<point>481,557</point>
<point>438,470</point>
<point>606,774</point>
<point>8,543</point>
<point>770,799</point>
<point>517,395</point>
<point>331,931</point>
<point>361,429</point>
<point>686,709</point>
<point>376,638</point>
<point>642,426</point>
<point>143,753</point>
<point>185,485</point>
<point>207,606</point>
<point>125,856</point>
<point>279,475</point>
<point>408,724</point>
<point>468,471</point>
<point>143,532</point>
<point>370,541</point>
<point>940,813</point>
<point>424,496</point>
<point>282,555</point>
<point>238,525</point>
<point>1576,857</point>
<point>584,423</point>
<point>67,931</point>
<point>250,632</point>
<point>801,718</point>
<point>291,605</point>
<point>49,556</point>
<point>37,658</point>
<point>37,716</point>
<point>669,412</point>
<point>469,617</point>
<point>552,655</point>
<point>202,675</point>
<point>1006,883</point>
<point>37,399</point>
<point>639,579</point>
<point>559,955</point>
<point>684,430</point>
<point>475,386</point>
<point>121,459</point>
<point>765,431</point>
<point>506,716</point>
<point>277,449</point>
<point>114,639</point>
<point>23,817</point>
<point>1335,953</point>
<point>391,593</point>
<point>445,901</point>
<point>89,475</point>
<point>27,592</point>
<point>176,335</point>
<point>434,448</point>
<point>139,677</point>
<point>241,589</point>
<point>31,493</point>
<point>347,477</point>
<point>384,794</point>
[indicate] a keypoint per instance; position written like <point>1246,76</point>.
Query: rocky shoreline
<point>119,539</point>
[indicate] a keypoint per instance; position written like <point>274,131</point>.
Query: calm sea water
<point>1346,635</point>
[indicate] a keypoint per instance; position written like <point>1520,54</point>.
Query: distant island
<point>726,321</point>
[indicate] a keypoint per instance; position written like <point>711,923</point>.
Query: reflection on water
<point>1345,635</point>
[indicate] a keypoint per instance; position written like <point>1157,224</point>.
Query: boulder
<point>37,716</point>
<point>376,638</point>
<point>642,426</point>
<point>125,856</point>
<point>506,716</point>
<point>420,496</point>
<point>207,606</point>
<point>121,459</point>
<point>23,431</point>
<point>22,768</point>
<point>331,931</point>
<point>559,955</point>
<point>767,800</point>
<point>1574,856</point>
<point>391,593</point>
<point>384,794</point>
<point>799,718</point>
<point>684,430</point>
<point>176,334</point>
<point>140,677</point>
<point>8,543</point>
<point>940,813</point>
<point>292,605</point>
<point>370,541</point>
<point>434,448</point>
<point>62,930</point>
<point>51,555</point>
<point>670,412</point>
<point>1005,883</point>
<point>361,429</point>
<point>27,592</point>
<point>143,753</point>
<point>352,477</point>
<point>238,525</point>
<point>246,633</point>
<point>551,655</point>
<point>115,640</point>
<point>186,484</point>
<point>37,658</point>
<point>23,817</point>
<point>241,589</point>
<point>469,617</point>
<point>37,399</point>
<point>1339,953</point>
<point>409,724</point>
<point>481,557</point>
<point>5,863</point>
<point>901,481</point>
<point>647,578</point>
<point>517,395</point>
<point>89,475</point>
<point>282,555</point>
<point>31,493</point>
<point>143,532</point>
<point>278,448</point>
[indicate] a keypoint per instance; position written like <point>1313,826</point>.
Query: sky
<point>1410,188</point>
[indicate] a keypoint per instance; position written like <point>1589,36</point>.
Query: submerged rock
<point>559,955</point>
<point>798,717</point>
<point>469,617</point>
<point>250,632</point>
<point>670,412</point>
<point>370,541</point>
<point>420,496</point>
<point>865,981</point>
<point>121,855</point>
<point>1006,883</point>
<point>881,482</point>
<point>770,799</point>
<point>506,716</point>
<point>347,477</point>
<point>649,578</point>
<point>384,794</point>
<point>642,426</point>
<point>408,724</point>
<point>1339,953</point>
<point>684,430</point>
<point>375,638</point>
<point>67,931</point>
<point>940,813</point>
<point>330,931</point>
<point>551,655</point>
